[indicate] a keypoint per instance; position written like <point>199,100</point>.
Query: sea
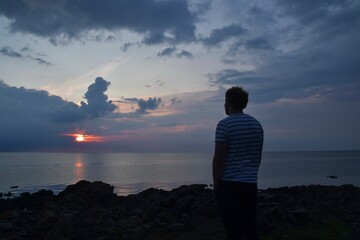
<point>131,173</point>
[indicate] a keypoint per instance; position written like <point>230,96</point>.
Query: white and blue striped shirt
<point>244,136</point>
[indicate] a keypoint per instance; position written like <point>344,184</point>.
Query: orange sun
<point>85,138</point>
<point>79,138</point>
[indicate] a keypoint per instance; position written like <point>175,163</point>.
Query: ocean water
<point>133,172</point>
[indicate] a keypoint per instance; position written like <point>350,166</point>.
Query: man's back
<point>244,137</point>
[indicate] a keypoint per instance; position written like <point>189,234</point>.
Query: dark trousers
<point>237,206</point>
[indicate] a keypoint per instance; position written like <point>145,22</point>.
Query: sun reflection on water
<point>79,167</point>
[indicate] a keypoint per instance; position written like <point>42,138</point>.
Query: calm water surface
<point>134,172</point>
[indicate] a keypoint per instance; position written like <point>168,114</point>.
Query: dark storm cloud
<point>173,51</point>
<point>143,105</point>
<point>324,64</point>
<point>97,102</point>
<point>34,120</point>
<point>243,46</point>
<point>66,112</point>
<point>60,21</point>
<point>150,104</point>
<point>220,35</point>
<point>38,103</point>
<point>258,43</point>
<point>238,41</point>
<point>31,120</point>
<point>325,18</point>
<point>310,12</point>
<point>301,74</point>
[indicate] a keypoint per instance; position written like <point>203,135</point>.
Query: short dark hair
<point>237,97</point>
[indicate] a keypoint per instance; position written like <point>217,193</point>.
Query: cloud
<point>156,84</point>
<point>258,43</point>
<point>132,100</point>
<point>66,112</point>
<point>230,77</point>
<point>185,54</point>
<point>269,28</point>
<point>309,71</point>
<point>22,101</point>
<point>31,119</point>
<point>150,104</point>
<point>126,46</point>
<point>62,21</point>
<point>239,41</point>
<point>220,35</point>
<point>8,51</point>
<point>312,56</point>
<point>175,101</point>
<point>246,47</point>
<point>39,60</point>
<point>167,52</point>
<point>143,105</point>
<point>173,51</point>
<point>34,120</point>
<point>317,11</point>
<point>97,102</point>
<point>25,49</point>
<point>323,19</point>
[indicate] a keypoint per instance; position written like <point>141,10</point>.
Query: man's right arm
<point>218,163</point>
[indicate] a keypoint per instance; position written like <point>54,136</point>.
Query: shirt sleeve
<point>221,134</point>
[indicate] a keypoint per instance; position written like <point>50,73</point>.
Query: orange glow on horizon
<point>81,137</point>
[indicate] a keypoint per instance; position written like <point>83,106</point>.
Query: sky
<point>150,75</point>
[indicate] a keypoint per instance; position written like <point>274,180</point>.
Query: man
<point>237,157</point>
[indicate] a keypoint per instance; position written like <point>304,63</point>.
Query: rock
<point>88,210</point>
<point>25,194</point>
<point>84,190</point>
<point>9,194</point>
<point>301,215</point>
<point>184,203</point>
<point>6,226</point>
<point>36,200</point>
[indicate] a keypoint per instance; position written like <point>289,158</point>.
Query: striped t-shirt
<point>244,137</point>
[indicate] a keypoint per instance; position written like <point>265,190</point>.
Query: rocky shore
<point>92,211</point>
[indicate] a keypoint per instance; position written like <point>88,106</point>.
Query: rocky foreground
<point>92,211</point>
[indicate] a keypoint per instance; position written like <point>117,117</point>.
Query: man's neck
<point>232,112</point>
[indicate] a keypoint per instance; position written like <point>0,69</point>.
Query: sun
<point>79,138</point>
